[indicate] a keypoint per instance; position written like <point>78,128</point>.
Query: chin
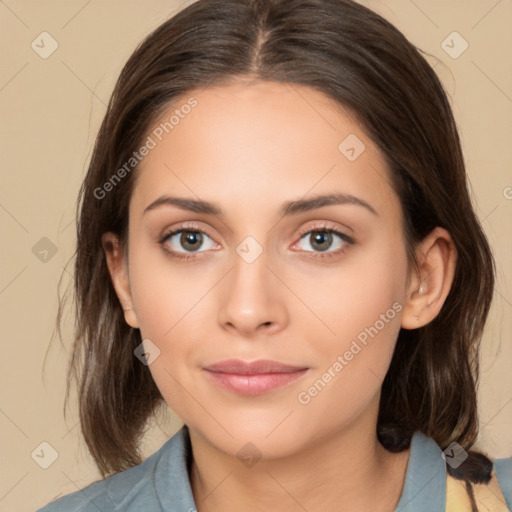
<point>248,439</point>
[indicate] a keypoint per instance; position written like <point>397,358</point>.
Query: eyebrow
<point>288,208</point>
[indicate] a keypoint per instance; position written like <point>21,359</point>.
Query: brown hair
<point>364,63</point>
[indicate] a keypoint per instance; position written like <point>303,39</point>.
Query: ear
<point>437,260</point>
<point>118,269</point>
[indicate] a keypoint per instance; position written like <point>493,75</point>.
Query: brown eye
<point>321,240</point>
<point>191,240</point>
<point>184,242</point>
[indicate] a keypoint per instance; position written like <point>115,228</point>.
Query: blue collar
<point>172,484</point>
<point>425,480</point>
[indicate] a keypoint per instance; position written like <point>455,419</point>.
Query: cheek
<point>174,310</point>
<point>353,297</point>
<point>170,314</point>
<point>362,307</point>
<point>353,363</point>
<point>166,293</point>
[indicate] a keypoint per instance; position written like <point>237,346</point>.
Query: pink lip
<point>253,378</point>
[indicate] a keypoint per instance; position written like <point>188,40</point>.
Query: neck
<point>347,471</point>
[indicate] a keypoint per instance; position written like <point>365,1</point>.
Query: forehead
<point>252,145</point>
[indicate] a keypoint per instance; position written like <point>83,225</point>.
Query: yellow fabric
<point>488,497</point>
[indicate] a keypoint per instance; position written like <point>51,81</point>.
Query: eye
<point>325,240</point>
<point>185,241</point>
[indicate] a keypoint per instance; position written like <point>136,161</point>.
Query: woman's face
<point>254,274</point>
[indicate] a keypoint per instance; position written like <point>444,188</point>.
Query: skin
<point>285,305</point>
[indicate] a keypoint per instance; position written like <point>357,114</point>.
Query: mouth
<point>253,378</point>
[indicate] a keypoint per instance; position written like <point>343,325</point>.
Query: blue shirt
<point>161,483</point>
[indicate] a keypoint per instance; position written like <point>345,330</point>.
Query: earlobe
<point>119,275</point>
<point>437,259</point>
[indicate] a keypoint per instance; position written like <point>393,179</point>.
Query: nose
<point>252,299</point>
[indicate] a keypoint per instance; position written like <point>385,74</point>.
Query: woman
<point>276,239</point>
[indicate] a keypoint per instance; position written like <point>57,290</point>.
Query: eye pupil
<point>191,237</point>
<point>322,236</point>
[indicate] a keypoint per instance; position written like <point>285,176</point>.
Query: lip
<point>253,378</point>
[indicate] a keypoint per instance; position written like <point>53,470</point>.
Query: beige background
<point>51,109</point>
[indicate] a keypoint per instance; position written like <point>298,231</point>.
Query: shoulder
<point>130,490</point>
<point>429,486</point>
<point>495,494</point>
<point>133,484</point>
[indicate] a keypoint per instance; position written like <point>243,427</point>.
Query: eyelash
<point>324,228</point>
